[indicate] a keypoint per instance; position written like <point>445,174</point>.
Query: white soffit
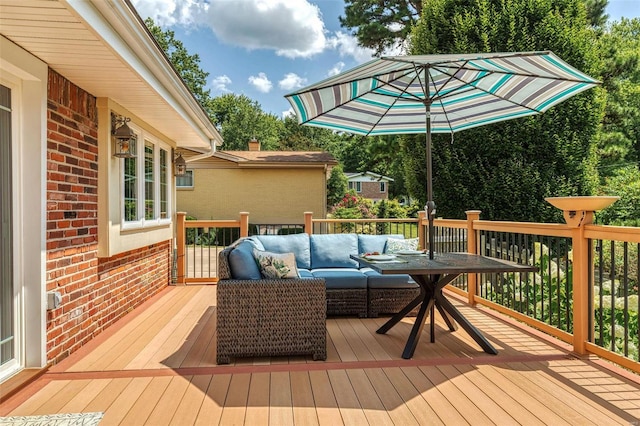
<point>103,47</point>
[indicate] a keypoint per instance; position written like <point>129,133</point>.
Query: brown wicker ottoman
<point>271,318</point>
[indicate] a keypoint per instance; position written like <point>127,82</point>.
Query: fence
<point>585,292</point>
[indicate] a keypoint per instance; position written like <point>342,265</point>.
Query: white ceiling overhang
<point>104,47</point>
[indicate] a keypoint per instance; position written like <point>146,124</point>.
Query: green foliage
<point>545,296</point>
<point>296,137</point>
<point>240,119</point>
<point>379,154</point>
<point>337,185</point>
<point>619,65</point>
<point>548,297</point>
<point>626,211</point>
<point>596,12</point>
<point>379,25</point>
<point>186,65</point>
<point>507,169</point>
<point>616,317</point>
<point>617,261</point>
<point>388,209</point>
<point>352,207</point>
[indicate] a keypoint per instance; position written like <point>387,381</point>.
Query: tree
<point>596,12</point>
<point>240,119</point>
<point>380,24</point>
<point>378,154</point>
<point>186,65</point>
<point>508,168</point>
<point>626,211</point>
<point>337,185</point>
<point>296,137</point>
<point>619,65</point>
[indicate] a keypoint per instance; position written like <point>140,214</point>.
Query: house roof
<point>371,175</point>
<point>272,158</point>
<point>104,47</point>
<point>280,156</point>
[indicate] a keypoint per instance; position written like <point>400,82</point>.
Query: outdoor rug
<point>70,419</point>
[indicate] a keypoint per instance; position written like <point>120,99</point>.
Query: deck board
<point>157,366</point>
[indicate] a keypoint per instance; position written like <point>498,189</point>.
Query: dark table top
<point>444,263</point>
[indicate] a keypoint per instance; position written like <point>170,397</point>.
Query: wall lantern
<point>180,165</point>
<point>122,134</point>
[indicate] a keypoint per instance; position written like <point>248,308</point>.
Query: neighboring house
<point>86,236</point>
<point>369,185</point>
<point>274,187</point>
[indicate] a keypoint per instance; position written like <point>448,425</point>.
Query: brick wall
<point>371,190</point>
<point>95,291</point>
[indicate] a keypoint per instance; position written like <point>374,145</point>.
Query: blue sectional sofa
<point>350,290</point>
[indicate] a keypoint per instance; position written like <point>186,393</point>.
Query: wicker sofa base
<point>271,318</point>
<point>391,300</point>
<point>347,302</point>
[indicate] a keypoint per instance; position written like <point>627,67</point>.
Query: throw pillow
<point>276,265</point>
<point>395,245</point>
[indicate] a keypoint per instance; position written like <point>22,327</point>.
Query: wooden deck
<point>157,366</point>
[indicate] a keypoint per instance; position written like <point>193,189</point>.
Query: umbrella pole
<point>431,205</point>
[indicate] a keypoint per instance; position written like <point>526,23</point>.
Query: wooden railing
<point>559,299</point>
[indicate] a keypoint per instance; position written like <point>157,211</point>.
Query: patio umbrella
<point>437,94</point>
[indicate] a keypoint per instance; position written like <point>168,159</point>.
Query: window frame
<point>180,187</point>
<point>159,218</point>
<point>383,186</point>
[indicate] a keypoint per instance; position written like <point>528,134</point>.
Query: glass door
<point>8,346</point>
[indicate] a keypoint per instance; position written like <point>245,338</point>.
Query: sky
<point>265,49</point>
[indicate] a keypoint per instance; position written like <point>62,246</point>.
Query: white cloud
<point>336,69</point>
<point>347,45</point>
<point>291,28</point>
<point>167,13</point>
<point>261,82</point>
<point>288,113</point>
<point>221,83</point>
<point>292,81</point>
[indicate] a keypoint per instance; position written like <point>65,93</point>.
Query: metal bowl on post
<point>578,210</point>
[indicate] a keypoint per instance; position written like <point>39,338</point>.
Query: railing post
<point>422,215</point>
<point>472,247</point>
<point>581,298</point>
<point>181,247</point>
<point>308,222</point>
<point>244,224</point>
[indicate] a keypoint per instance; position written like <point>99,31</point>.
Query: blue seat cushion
<point>371,243</point>
<point>341,278</point>
<point>333,250</point>
<point>298,244</point>
<point>377,280</point>
<point>242,263</point>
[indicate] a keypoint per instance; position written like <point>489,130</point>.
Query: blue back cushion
<point>333,250</point>
<point>298,244</point>
<point>242,263</point>
<point>371,243</point>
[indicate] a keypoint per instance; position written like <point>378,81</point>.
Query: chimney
<point>254,145</point>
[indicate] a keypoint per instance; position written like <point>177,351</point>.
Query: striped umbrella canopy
<point>437,94</point>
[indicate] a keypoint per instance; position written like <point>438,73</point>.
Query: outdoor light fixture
<point>122,134</point>
<point>180,165</point>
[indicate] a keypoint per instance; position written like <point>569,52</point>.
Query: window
<point>146,177</point>
<point>8,321</point>
<point>185,181</point>
<point>383,186</point>
<point>356,185</point>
